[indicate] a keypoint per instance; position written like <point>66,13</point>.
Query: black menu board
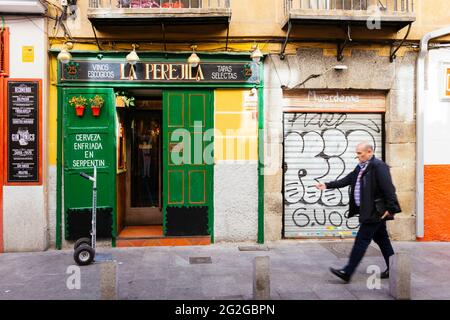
<point>23,130</point>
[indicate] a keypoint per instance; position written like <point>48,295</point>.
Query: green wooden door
<point>188,162</point>
<point>89,140</point>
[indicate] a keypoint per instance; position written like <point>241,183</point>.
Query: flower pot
<point>95,111</point>
<point>79,110</point>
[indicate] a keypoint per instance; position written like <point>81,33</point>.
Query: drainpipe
<point>422,93</point>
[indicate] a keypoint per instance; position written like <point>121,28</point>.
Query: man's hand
<point>385,215</point>
<point>321,186</point>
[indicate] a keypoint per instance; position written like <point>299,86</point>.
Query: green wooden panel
<point>197,146</point>
<point>89,141</point>
<point>197,187</point>
<point>175,110</point>
<point>178,143</point>
<point>175,187</point>
<point>80,193</point>
<point>183,161</point>
<point>197,109</point>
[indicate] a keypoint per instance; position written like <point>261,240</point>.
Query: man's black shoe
<point>385,274</point>
<point>341,274</point>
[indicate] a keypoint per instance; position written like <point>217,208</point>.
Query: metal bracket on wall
<point>393,54</point>
<point>96,39</point>
<point>341,46</point>
<point>283,48</point>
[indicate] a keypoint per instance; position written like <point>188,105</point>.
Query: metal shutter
<point>320,147</point>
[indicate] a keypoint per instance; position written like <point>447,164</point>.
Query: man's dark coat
<point>376,184</point>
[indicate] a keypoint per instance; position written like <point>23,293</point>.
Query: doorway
<point>144,154</point>
<point>163,198</point>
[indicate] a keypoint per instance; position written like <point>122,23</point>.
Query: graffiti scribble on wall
<point>321,148</point>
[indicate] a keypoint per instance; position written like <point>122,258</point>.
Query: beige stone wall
<point>367,69</point>
<point>263,19</point>
<point>401,146</point>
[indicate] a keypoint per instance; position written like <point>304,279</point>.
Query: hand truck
<point>84,247</point>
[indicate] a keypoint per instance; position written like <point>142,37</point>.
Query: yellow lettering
<point>155,70</point>
<point>148,71</point>
<point>171,71</point>
<point>122,72</point>
<point>199,75</point>
<point>189,77</point>
<point>183,72</point>
<point>164,70</point>
<point>132,74</point>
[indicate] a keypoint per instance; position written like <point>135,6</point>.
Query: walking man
<point>373,198</point>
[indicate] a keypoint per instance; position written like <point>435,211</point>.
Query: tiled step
<point>148,236</point>
<point>141,232</point>
<point>163,241</point>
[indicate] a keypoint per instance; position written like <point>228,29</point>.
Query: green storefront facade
<point>176,106</point>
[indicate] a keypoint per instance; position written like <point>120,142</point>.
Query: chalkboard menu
<point>23,130</point>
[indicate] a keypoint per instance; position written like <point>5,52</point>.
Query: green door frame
<point>90,55</point>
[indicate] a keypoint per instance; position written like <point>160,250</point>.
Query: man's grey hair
<point>366,145</point>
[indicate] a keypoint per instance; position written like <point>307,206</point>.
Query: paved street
<point>299,270</point>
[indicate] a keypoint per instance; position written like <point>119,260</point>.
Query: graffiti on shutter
<point>320,147</point>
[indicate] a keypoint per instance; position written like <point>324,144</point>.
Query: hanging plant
<point>122,100</point>
<point>96,104</point>
<point>79,103</point>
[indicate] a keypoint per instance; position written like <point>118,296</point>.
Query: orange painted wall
<point>437,205</point>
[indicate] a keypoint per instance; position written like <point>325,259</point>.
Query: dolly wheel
<point>84,255</point>
<point>81,241</point>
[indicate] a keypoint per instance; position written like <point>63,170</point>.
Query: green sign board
<point>162,71</point>
<point>87,150</point>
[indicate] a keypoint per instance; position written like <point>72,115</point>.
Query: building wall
<point>436,151</point>
<point>263,18</point>
<point>367,69</point>
<point>25,215</point>
<point>235,166</point>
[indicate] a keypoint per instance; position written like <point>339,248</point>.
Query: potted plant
<point>79,103</point>
<point>96,104</point>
